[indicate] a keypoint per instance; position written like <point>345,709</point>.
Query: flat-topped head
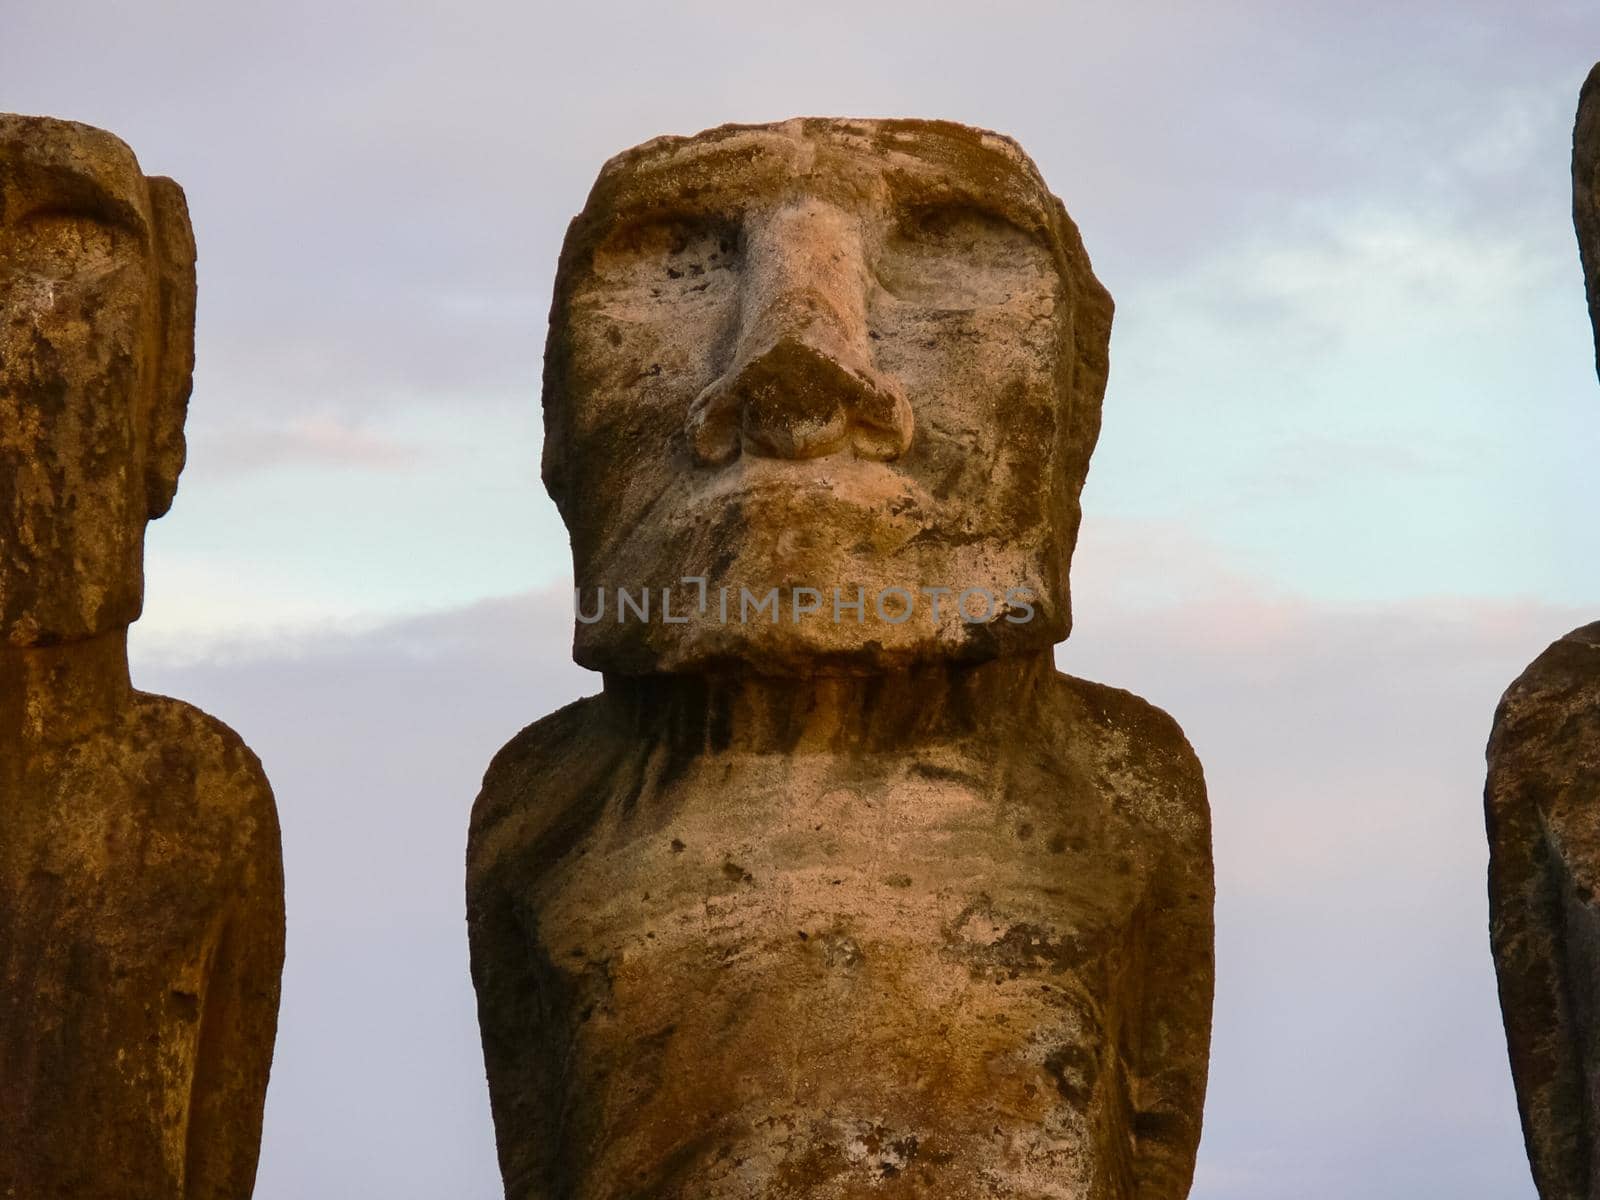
<point>96,353</point>
<point>862,359</point>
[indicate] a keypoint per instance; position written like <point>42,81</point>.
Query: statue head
<point>97,298</point>
<point>855,362</point>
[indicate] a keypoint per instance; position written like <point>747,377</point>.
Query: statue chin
<point>826,566</point>
<point>58,608</point>
<point>872,624</point>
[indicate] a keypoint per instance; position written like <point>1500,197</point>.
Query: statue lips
<point>837,480</point>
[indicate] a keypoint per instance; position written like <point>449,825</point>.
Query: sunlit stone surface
<point>141,883</point>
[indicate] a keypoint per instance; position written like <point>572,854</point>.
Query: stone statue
<point>838,888</point>
<point>141,883</point>
<point>1542,802</point>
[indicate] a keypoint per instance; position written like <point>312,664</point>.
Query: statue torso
<point>125,860</point>
<point>909,973</point>
<point>1541,798</point>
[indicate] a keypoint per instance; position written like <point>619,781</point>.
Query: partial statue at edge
<point>1542,801</point>
<point>141,880</point>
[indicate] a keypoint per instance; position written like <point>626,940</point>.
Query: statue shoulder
<point>197,750</point>
<point>1542,766</point>
<point>536,778</point>
<point>194,777</point>
<point>1136,752</point>
<point>1554,698</point>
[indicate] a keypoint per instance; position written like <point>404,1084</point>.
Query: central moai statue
<point>1542,801</point>
<point>141,883</point>
<point>837,888</point>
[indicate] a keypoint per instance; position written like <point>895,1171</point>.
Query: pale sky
<point>1344,492</point>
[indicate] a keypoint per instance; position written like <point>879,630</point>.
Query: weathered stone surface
<point>1544,874</point>
<point>1542,803</point>
<point>141,884</point>
<point>810,907</point>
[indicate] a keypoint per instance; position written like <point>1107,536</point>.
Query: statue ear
<point>1088,368</point>
<point>174,374</point>
<point>1091,346</point>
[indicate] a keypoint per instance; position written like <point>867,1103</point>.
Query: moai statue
<point>141,882</point>
<point>838,888</point>
<point>1542,802</point>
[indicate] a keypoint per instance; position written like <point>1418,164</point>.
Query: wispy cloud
<point>1350,352</point>
<point>301,441</point>
<point>1342,278</point>
<point>1343,753</point>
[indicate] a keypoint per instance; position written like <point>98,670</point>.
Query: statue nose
<point>802,382</point>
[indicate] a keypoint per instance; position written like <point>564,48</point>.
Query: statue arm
<point>1544,918</point>
<point>238,1017</point>
<point>518,1017</point>
<point>1171,1043</point>
<point>523,1003</point>
<point>538,797</point>
<point>1527,914</point>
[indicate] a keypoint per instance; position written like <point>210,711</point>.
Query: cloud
<point>1320,240</point>
<point>1350,364</point>
<point>1335,279</point>
<point>324,441</point>
<point>1358,1049</point>
<point>351,191</point>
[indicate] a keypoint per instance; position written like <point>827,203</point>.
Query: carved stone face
<point>826,354</point>
<point>96,352</point>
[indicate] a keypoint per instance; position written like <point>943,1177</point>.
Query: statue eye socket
<point>957,257</point>
<point>670,255</point>
<point>63,241</point>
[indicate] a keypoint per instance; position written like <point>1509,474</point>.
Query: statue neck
<point>927,704</point>
<point>54,694</point>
